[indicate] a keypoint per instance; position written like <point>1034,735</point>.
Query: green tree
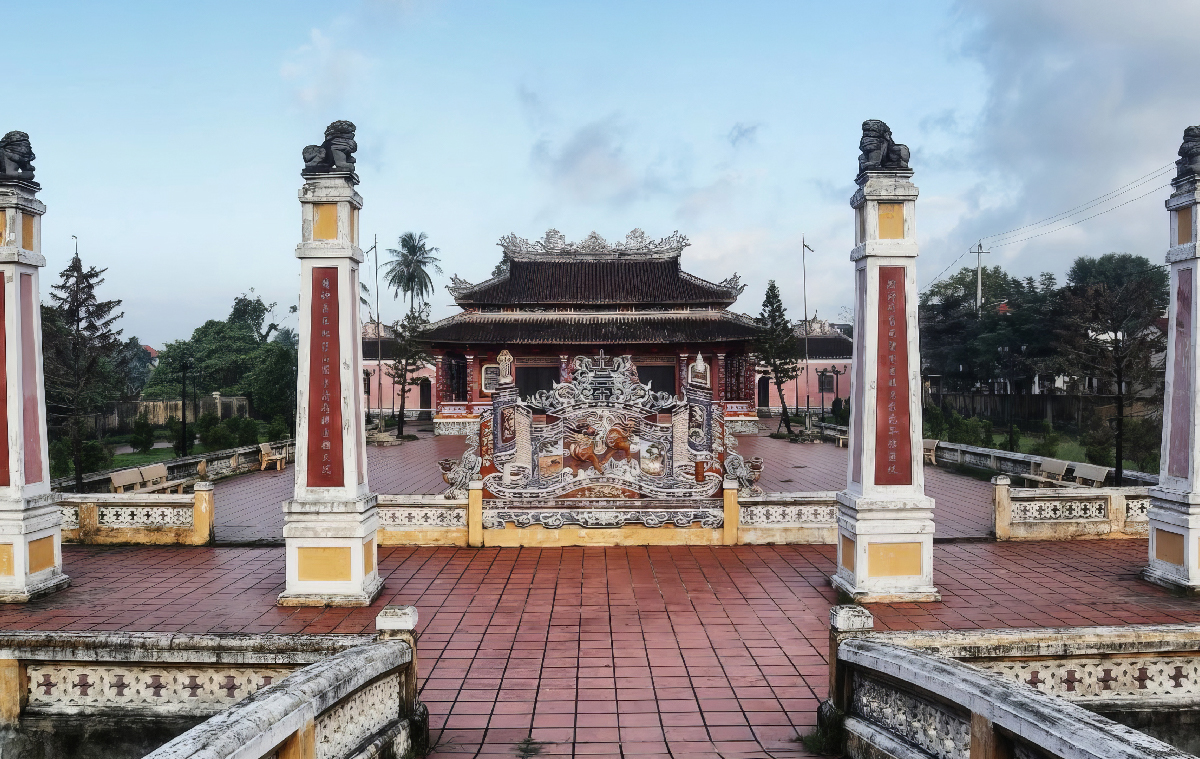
<point>79,345</point>
<point>253,313</point>
<point>777,345</point>
<point>408,271</point>
<point>271,384</point>
<point>136,365</point>
<point>1110,307</point>
<point>409,355</point>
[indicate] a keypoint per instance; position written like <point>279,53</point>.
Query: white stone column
<point>1175,503</point>
<point>30,517</point>
<point>331,522</point>
<point>885,520</point>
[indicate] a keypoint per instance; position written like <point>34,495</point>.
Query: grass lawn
<point>153,456</point>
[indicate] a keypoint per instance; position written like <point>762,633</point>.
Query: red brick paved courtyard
<point>635,652</point>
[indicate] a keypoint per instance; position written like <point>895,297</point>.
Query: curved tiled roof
<point>592,328</point>
<point>584,281</point>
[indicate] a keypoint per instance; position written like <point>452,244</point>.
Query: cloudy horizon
<point>169,138</point>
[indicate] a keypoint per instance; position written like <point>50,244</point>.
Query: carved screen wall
<point>599,436</point>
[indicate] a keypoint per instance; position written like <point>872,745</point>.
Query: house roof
<point>592,328</point>
<point>554,272</point>
<point>828,346</point>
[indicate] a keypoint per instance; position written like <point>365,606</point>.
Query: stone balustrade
<point>202,466</point>
<point>996,693</point>
<point>360,703</point>
<point>770,518</point>
<point>1069,513</point>
<point>72,693</point>
<point>788,518</point>
<point>139,518</point>
<point>1016,464</point>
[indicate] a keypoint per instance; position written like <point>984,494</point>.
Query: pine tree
<point>777,346</point>
<point>409,355</point>
<point>80,346</point>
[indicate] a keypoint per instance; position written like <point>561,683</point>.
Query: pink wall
<point>806,383</point>
<point>391,391</point>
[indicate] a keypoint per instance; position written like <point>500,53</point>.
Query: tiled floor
<point>248,508</point>
<point>634,652</point>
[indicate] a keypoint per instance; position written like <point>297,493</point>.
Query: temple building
<point>554,300</point>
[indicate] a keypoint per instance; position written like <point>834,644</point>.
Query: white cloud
<point>323,72</point>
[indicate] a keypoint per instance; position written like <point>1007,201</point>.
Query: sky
<point>169,135</point>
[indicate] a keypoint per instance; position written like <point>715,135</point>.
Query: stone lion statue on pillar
<point>1189,153</point>
<point>335,154</point>
<point>879,151</point>
<point>16,156</point>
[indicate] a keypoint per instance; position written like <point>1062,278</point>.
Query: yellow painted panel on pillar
<point>893,559</point>
<point>327,564</point>
<point>13,691</point>
<point>6,560</point>
<point>369,556</point>
<point>1168,546</point>
<point>27,231</point>
<point>1183,225</point>
<point>41,554</point>
<point>848,552</point>
<point>325,221</point>
<point>891,221</point>
<point>3,227</point>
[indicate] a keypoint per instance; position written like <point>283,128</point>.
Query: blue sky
<point>168,135</point>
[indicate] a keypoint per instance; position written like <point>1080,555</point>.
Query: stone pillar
<point>329,526</point>
<point>30,517</point>
<point>719,371</point>
<point>1175,503</point>
<point>885,520</point>
<point>472,390</point>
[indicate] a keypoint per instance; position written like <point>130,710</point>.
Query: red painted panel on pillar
<point>893,439</point>
<point>325,465</point>
<point>31,418</point>
<point>1179,460</point>
<point>5,477</point>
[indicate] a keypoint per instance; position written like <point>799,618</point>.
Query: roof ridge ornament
<point>555,246</point>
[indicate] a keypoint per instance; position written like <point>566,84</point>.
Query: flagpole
<point>804,289</point>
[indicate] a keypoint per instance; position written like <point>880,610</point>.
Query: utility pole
<point>979,251</point>
<point>804,287</point>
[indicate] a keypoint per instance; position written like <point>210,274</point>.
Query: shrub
<point>218,438</point>
<point>277,430</point>
<point>142,438</point>
<point>1047,446</point>
<point>933,422</point>
<point>60,458</point>
<point>205,423</point>
<point>1097,441</point>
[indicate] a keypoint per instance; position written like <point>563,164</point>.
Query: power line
<point>1067,214</point>
<point>943,272</point>
<point>1080,221</point>
<point>1094,201</point>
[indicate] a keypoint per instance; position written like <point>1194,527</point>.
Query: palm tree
<point>407,272</point>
